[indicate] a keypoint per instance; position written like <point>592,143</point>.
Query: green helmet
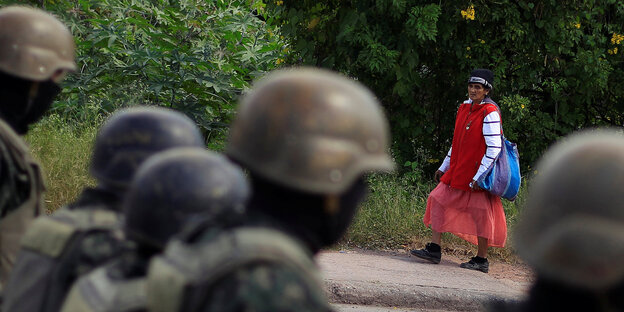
<point>310,129</point>
<point>572,229</point>
<point>130,136</point>
<point>178,186</point>
<point>34,44</point>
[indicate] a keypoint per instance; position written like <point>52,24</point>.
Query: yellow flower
<point>617,38</point>
<point>612,51</point>
<point>469,13</point>
<point>313,22</point>
<point>279,2</point>
<point>577,25</point>
<point>432,160</point>
<point>522,106</point>
<point>482,41</point>
<point>279,61</point>
<point>467,48</point>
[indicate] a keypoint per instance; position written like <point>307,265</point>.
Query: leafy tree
<point>191,55</point>
<point>558,64</point>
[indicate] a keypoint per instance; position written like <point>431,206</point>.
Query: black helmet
<point>132,135</point>
<point>178,186</point>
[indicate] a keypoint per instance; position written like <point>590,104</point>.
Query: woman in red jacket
<point>457,205</point>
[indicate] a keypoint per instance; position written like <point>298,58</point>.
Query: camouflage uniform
<point>59,248</point>
<point>170,190</point>
<point>35,50</point>
<point>307,137</point>
<point>572,228</point>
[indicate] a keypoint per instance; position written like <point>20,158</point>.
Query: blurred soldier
<point>170,190</point>
<point>572,229</point>
<point>36,50</point>
<point>307,137</point>
<point>57,249</point>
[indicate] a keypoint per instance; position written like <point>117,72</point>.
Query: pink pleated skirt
<point>467,214</point>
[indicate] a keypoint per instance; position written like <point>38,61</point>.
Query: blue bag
<point>503,178</point>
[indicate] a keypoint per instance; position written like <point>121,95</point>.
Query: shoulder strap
<point>203,264</point>
<point>97,291</point>
<point>50,235</point>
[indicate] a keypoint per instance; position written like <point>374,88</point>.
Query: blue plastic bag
<point>503,178</point>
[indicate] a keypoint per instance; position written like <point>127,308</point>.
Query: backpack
<point>52,256</point>
<point>179,279</point>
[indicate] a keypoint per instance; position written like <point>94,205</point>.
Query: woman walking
<point>457,205</point>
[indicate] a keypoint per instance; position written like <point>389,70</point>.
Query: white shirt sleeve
<point>447,161</point>
<point>493,141</point>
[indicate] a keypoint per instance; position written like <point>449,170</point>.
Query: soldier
<point>572,229</point>
<point>170,190</point>
<point>57,249</point>
<point>36,51</point>
<point>307,138</point>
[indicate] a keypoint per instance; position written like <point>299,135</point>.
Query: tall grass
<point>64,151</point>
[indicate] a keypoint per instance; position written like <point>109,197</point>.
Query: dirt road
<point>397,280</point>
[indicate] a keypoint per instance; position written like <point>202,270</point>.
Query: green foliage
<point>556,63</point>
<point>64,151</point>
<point>193,56</point>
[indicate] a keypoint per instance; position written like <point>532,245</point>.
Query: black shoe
<point>427,254</point>
<point>473,265</point>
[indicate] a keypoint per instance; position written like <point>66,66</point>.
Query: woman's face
<point>476,92</point>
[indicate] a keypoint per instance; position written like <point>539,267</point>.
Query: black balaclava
<point>18,107</point>
<point>303,214</point>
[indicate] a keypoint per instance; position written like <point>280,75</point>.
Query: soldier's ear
<point>331,204</point>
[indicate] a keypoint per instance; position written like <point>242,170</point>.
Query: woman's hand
<point>474,186</point>
<point>438,174</point>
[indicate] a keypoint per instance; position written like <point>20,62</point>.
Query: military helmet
<point>310,129</point>
<point>572,228</point>
<point>130,136</point>
<point>177,186</point>
<point>34,44</point>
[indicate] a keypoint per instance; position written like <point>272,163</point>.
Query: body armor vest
<point>16,213</point>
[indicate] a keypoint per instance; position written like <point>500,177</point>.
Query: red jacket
<point>468,145</point>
